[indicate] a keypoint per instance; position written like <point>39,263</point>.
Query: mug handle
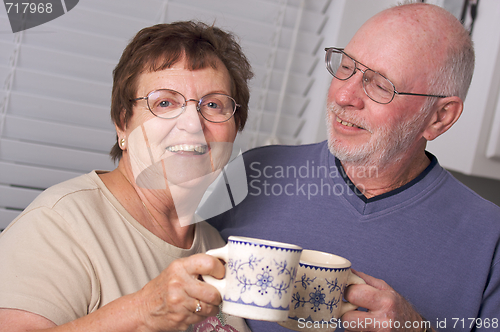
<point>220,284</point>
<point>351,280</point>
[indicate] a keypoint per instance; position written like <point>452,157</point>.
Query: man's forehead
<point>411,28</point>
<point>386,50</point>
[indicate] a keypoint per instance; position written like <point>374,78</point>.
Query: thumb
<point>372,281</point>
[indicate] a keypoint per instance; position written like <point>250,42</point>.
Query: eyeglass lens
<point>376,86</point>
<point>169,104</point>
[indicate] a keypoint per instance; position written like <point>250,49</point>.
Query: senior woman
<point>120,250</point>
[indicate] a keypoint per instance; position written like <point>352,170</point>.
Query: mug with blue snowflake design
<point>259,278</point>
<point>318,292</point>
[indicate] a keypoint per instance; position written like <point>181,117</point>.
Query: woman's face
<point>187,150</point>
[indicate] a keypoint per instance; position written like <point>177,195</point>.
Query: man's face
<point>362,131</point>
<point>385,143</point>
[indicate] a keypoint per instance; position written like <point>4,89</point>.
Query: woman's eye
<point>165,103</point>
<point>212,105</point>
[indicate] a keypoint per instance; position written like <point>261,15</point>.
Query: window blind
<point>56,82</point>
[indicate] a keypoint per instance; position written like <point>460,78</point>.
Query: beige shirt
<point>75,248</point>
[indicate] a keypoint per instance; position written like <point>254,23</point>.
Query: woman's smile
<point>196,149</point>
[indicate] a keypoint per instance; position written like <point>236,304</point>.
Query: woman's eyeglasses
<point>169,104</point>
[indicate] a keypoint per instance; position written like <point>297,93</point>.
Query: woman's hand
<point>166,303</point>
<point>169,301</point>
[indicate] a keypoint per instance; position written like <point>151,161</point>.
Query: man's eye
<point>383,88</point>
<point>346,68</point>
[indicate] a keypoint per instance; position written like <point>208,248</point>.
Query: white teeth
<point>199,149</point>
<point>345,123</point>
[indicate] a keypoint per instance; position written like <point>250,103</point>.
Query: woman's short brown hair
<point>161,46</point>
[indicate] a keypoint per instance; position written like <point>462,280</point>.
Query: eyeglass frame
<point>396,92</point>
<point>184,106</point>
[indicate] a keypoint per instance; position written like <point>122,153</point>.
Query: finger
<point>198,289</point>
<point>366,296</point>
<point>205,309</point>
<point>183,283</point>
<point>203,264</point>
<point>198,307</point>
<point>181,277</point>
<point>361,295</point>
<point>372,281</point>
<point>375,295</point>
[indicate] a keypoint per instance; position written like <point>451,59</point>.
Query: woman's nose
<point>190,120</point>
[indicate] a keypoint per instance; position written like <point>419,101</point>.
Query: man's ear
<point>448,111</point>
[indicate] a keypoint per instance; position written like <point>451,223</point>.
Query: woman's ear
<point>448,111</point>
<point>120,130</point>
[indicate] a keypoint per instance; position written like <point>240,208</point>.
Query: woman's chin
<point>194,181</point>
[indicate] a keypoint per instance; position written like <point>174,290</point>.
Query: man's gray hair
<point>455,76</point>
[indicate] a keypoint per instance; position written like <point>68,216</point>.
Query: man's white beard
<point>386,145</point>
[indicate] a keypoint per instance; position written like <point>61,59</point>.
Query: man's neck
<point>376,180</point>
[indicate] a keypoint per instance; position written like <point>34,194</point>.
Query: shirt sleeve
<point>44,268</point>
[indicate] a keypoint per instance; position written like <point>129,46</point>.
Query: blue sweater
<point>433,240</point>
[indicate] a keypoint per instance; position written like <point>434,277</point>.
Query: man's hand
<point>387,310</point>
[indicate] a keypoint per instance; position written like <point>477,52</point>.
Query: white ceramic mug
<point>317,299</point>
<point>259,277</point>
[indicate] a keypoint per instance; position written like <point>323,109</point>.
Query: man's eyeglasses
<point>169,104</point>
<point>377,87</point>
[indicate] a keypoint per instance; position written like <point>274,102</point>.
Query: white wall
<point>345,18</point>
<point>464,147</point>
<point>472,146</point>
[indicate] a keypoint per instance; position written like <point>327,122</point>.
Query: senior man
<point>427,246</point>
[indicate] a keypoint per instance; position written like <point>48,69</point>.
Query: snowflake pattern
<point>318,297</point>
<point>267,280</point>
<point>264,280</point>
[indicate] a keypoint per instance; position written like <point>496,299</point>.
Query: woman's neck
<point>156,213</point>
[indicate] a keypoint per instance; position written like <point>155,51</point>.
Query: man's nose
<point>348,92</point>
